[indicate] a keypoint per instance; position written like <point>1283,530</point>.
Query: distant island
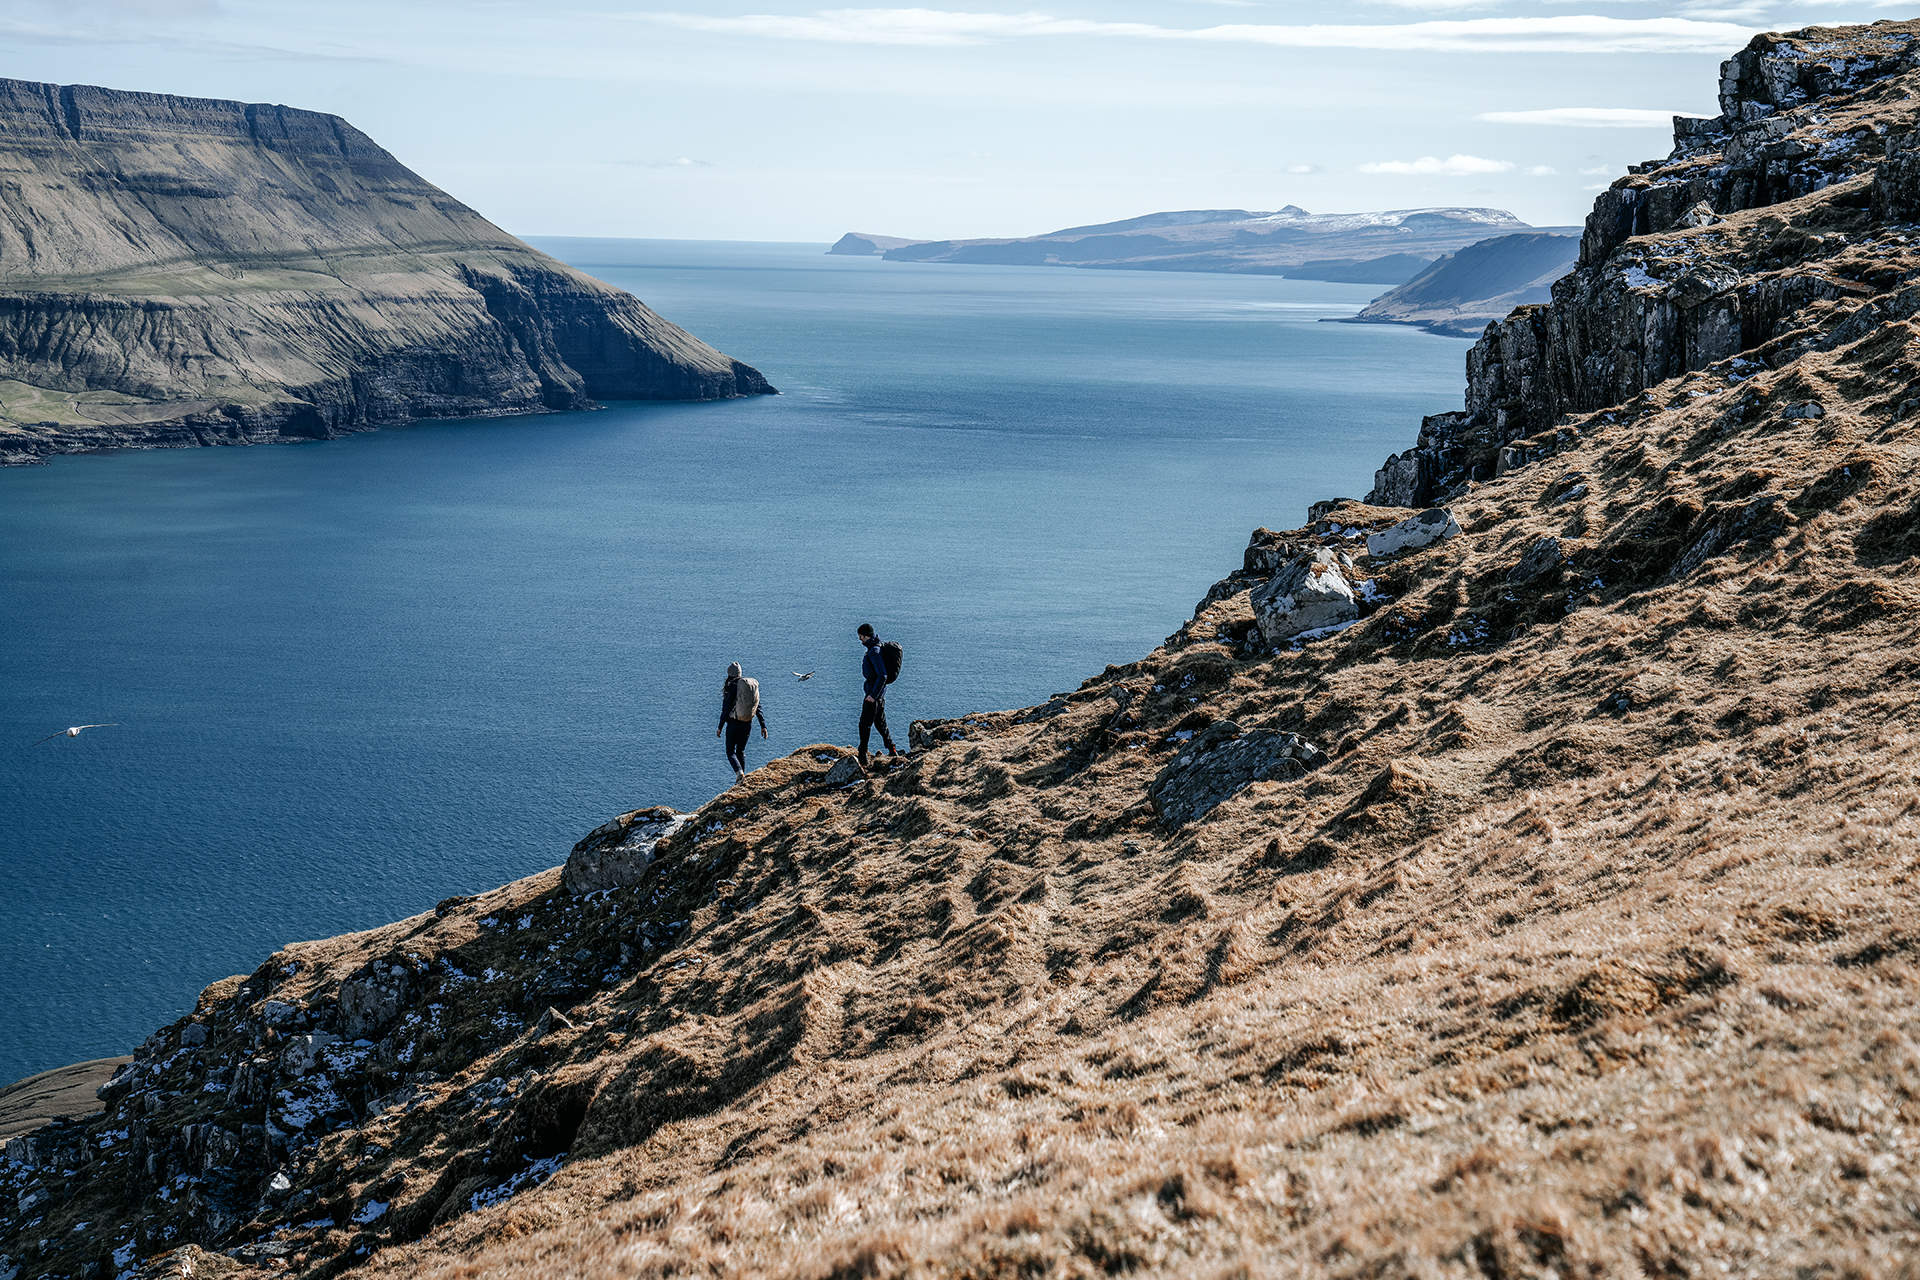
<point>1460,294</point>
<point>188,271</point>
<point>1389,247</point>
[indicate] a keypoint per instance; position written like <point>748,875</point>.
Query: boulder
<point>1307,595</point>
<point>846,770</point>
<point>1539,559</point>
<point>302,1053</point>
<point>372,998</point>
<point>1436,524</point>
<point>276,1013</point>
<point>1220,763</point>
<point>617,853</point>
<point>1696,285</point>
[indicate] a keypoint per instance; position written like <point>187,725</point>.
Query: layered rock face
<point>182,271</point>
<point>1671,278</point>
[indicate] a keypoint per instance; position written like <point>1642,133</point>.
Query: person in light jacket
<point>739,708</point>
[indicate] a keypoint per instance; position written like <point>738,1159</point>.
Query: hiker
<point>873,712</point>
<point>739,708</point>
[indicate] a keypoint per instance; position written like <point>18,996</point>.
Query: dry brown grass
<point>1592,951</point>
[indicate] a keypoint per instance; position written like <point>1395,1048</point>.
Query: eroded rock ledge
<point>1722,256</point>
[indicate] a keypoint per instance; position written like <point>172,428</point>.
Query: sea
<point>349,679</point>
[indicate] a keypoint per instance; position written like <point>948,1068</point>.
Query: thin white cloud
<point>1581,33</point>
<point>1541,170</point>
<point>1453,166</point>
<point>1586,117</point>
<point>1303,168</point>
<point>122,35</point>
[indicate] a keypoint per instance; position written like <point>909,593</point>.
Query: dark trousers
<point>738,731</point>
<point>873,715</point>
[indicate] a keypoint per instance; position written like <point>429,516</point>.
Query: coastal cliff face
<point>1737,252</point>
<point>179,271</point>
<point>1514,889</point>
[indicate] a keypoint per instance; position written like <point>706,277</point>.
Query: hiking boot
<point>893,750</point>
<point>863,761</point>
<point>739,775</point>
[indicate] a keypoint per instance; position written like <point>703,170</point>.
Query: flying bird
<point>75,731</point>
<point>807,676</point>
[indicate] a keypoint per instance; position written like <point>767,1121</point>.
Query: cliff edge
<point>181,271</point>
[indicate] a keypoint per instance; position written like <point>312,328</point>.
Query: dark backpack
<point>890,655</point>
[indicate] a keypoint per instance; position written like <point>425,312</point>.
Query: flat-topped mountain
<point>1386,247</point>
<point>193,271</point>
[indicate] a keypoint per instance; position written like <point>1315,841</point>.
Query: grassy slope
<point>1589,953</point>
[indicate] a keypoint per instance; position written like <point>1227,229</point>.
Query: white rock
<point>1305,595</point>
<point>1432,525</point>
<point>302,1053</point>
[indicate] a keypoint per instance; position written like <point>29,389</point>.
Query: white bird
<point>807,676</point>
<point>75,731</point>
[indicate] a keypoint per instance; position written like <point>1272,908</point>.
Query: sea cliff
<point>180,271</point>
<point>1514,888</point>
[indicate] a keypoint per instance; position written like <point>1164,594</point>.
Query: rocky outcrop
<point>1307,595</point>
<point>617,853</point>
<point>184,271</point>
<point>1678,273</point>
<point>1220,763</point>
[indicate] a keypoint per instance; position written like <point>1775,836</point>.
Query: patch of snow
<point>532,1176</point>
<point>1320,633</point>
<point>373,1210</point>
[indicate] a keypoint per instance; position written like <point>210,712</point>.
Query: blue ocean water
<point>353,678</point>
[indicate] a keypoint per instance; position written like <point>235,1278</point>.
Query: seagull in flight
<point>807,676</point>
<point>75,731</point>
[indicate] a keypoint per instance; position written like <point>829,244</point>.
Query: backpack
<point>890,655</point>
<point>746,698</point>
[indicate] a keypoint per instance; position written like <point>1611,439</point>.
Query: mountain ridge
<point>1289,241</point>
<point>178,271</point>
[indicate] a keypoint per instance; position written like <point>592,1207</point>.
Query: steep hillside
<point>1462,293</point>
<point>1519,888</point>
<point>179,271</point>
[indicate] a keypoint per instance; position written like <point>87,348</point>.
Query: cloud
<point>1303,168</point>
<point>1453,166</point>
<point>1574,33</point>
<point>122,35</point>
<point>1586,117</point>
<point>1541,170</point>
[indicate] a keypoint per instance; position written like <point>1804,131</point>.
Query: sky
<point>760,120</point>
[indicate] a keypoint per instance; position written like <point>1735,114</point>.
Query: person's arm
<point>757,715</point>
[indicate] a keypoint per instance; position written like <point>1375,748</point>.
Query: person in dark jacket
<point>739,708</point>
<point>873,712</point>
